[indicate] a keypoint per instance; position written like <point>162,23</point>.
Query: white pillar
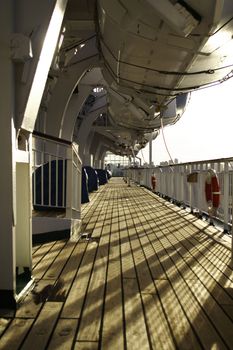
<point>30,92</point>
<point>231,229</point>
<point>8,165</point>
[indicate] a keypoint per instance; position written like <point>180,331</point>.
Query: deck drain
<point>86,236</point>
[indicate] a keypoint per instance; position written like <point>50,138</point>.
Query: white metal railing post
<point>129,175</point>
<point>164,181</point>
<point>170,177</point>
<point>150,149</point>
<point>177,189</point>
<point>161,180</point>
<point>205,172</point>
<point>182,184</point>
<point>42,179</point>
<point>172,182</point>
<point>158,180</point>
<point>167,187</point>
<point>200,189</point>
<point>232,224</point>
<point>226,196</point>
<point>190,191</point>
<point>171,174</point>
<point>175,183</point>
<point>80,186</point>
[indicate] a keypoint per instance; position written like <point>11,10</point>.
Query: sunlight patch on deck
<point>147,275</point>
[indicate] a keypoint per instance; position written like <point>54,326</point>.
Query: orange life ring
<point>212,189</point>
<point>153,182</point>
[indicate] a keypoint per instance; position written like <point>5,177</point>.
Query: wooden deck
<point>146,275</point>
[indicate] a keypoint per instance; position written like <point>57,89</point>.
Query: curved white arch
<point>85,127</point>
<point>75,105</point>
<point>62,93</point>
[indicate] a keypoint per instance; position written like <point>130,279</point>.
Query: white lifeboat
<point>162,49</point>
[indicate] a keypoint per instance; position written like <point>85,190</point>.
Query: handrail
<point>51,138</point>
<point>172,183</point>
<point>218,160</point>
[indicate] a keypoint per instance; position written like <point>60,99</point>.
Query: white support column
<point>232,226</point>
<point>23,237</point>
<point>69,182</point>
<point>8,165</point>
<point>44,24</point>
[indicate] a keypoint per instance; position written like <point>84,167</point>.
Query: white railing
<point>172,182</point>
<point>56,176</point>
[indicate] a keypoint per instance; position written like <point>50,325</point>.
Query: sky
<point>205,131</point>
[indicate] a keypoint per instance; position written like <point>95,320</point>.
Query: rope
<point>143,156</point>
<point>165,144</point>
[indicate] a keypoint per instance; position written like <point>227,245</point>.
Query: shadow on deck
<point>146,275</point>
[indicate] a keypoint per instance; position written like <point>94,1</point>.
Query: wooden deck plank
<point>136,330</point>
<point>57,265</point>
<point>215,313</point>
<point>4,322</point>
<point>41,251</point>
<point>89,328</point>
<point>30,306</point>
<point>15,334</point>
<point>197,317</point>
<point>148,276</point>
<point>183,342</point>
<point>164,242</point>
<point>70,270</point>
<point>159,331</point>
<point>41,268</point>
<point>63,335</point>
<point>42,328</point>
<point>35,248</point>
<point>85,345</point>
<point>211,276</point>
<point>113,327</point>
<point>75,299</point>
<point>211,335</point>
<point>78,290</point>
<point>136,333</point>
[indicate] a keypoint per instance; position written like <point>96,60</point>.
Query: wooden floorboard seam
<point>144,274</point>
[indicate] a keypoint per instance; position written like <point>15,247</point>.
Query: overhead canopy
<point>143,57</point>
